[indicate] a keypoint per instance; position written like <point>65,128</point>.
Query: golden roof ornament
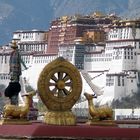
<point>14,44</point>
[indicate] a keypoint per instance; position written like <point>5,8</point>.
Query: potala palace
<point>105,49</point>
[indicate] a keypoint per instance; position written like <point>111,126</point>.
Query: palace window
<point>119,82</point>
<point>125,57</point>
<point>109,80</point>
<point>2,59</point>
<point>135,45</point>
<point>123,81</point>
<point>5,59</point>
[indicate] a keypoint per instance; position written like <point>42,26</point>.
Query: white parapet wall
<point>127,114</point>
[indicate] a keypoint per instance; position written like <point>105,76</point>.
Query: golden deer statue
<point>19,112</point>
<point>98,114</point>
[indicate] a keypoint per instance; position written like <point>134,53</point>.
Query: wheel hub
<point>60,84</point>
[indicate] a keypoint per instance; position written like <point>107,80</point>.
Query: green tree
<point>127,102</point>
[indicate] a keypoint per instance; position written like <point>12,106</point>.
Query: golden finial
<point>14,44</point>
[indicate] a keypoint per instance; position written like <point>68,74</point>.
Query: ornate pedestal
<point>60,118</point>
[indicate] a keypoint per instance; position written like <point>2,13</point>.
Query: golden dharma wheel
<point>59,85</point>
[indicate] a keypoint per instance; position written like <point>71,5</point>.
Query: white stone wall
<point>119,91</point>
<point>123,33</point>
<point>138,62</point>
<point>4,79</point>
<point>96,62</point>
<point>33,35</point>
<point>17,36</point>
<point>127,113</point>
<point>131,83</point>
<point>68,52</point>
<point>4,63</point>
<point>39,62</point>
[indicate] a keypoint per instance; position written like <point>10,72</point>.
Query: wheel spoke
<point>52,84</point>
<point>60,75</point>
<point>69,84</point>
<point>66,78</point>
<point>54,78</point>
<point>66,92</point>
<point>60,93</point>
<point>54,90</point>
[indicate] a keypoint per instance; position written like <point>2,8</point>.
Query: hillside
<point>37,14</point>
<point>71,7</point>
